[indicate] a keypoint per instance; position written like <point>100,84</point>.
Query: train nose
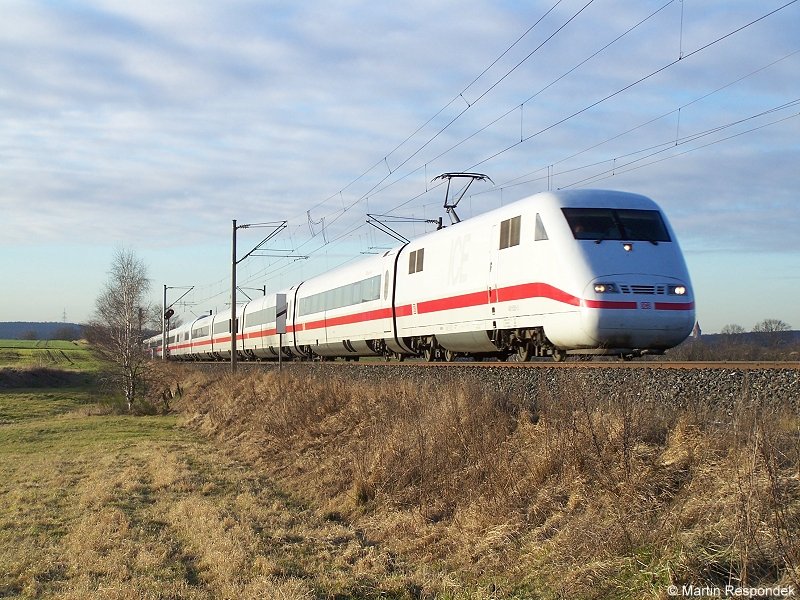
<point>618,312</point>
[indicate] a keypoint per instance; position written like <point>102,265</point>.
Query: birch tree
<point>117,327</point>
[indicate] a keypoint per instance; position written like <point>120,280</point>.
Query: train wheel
<point>449,356</point>
<point>431,351</point>
<point>524,352</point>
<point>559,355</point>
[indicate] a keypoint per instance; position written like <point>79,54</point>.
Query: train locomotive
<point>576,272</point>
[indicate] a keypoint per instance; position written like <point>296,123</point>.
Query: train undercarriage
<point>520,345</point>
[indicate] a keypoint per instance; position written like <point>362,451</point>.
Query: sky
<point>150,126</point>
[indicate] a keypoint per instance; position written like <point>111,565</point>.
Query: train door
<point>494,268</point>
<point>386,294</point>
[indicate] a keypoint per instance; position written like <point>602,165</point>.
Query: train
<point>556,274</point>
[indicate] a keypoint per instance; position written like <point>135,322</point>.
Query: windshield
<point>616,224</point>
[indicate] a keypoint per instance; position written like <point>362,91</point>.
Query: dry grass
<point>333,489</point>
<point>571,496</point>
<point>118,506</point>
<point>173,518</point>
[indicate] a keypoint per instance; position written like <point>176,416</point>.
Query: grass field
<point>75,356</point>
<point>273,485</point>
<point>103,505</point>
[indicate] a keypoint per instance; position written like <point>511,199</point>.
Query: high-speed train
<point>554,274</point>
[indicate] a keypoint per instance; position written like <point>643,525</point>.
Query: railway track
<point>578,364</point>
<point>544,364</point>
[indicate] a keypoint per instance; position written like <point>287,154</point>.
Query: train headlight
<point>677,290</point>
<point>605,288</point>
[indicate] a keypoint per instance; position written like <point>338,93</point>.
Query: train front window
<point>643,225</point>
<point>600,224</point>
<point>593,223</point>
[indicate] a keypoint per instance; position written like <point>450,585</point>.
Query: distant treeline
<point>755,345</point>
<point>40,331</point>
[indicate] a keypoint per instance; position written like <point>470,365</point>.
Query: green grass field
<point>74,356</point>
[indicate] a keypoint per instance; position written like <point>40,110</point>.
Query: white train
<point>554,274</point>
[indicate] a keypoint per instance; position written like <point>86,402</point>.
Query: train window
<point>352,293</point>
<point>540,233</point>
<point>357,292</point>
<point>386,285</point>
<point>600,224</point>
<point>374,292</point>
<point>338,297</point>
<point>509,232</point>
<point>222,327</point>
<point>200,332</point>
<point>643,225</point>
<point>260,317</point>
<point>416,260</point>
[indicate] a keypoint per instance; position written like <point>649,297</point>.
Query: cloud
<point>158,123</point>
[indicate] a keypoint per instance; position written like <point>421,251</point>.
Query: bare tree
<point>732,329</point>
<point>771,325</point>
<point>120,316</point>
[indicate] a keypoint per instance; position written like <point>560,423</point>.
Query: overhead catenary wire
<point>522,178</point>
<point>333,217</point>
<point>385,158</point>
<point>621,168</point>
<point>633,84</point>
<point>394,171</point>
<point>474,102</point>
<point>654,150</point>
<point>539,92</point>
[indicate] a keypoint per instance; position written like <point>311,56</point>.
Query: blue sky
<point>151,125</point>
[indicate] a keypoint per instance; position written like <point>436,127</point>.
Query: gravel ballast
<point>720,387</point>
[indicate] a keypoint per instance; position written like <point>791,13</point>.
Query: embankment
<point>579,483</point>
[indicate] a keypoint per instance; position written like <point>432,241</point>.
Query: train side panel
<point>487,274</point>
<point>200,338</point>
<point>442,287</point>
<point>346,312</point>
<point>259,334</point>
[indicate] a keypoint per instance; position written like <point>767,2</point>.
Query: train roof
<point>548,202</point>
<point>542,201</point>
<point>591,198</point>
